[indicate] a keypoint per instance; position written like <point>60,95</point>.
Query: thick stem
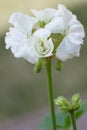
<point>50,91</point>
<point>73,120</point>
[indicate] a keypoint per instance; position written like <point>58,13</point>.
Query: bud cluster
<point>66,106</point>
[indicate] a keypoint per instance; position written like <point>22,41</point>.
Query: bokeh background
<point>23,93</point>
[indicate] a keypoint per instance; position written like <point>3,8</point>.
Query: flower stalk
<point>73,120</point>
<point>50,92</point>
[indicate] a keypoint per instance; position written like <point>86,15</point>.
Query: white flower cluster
<point>38,37</point>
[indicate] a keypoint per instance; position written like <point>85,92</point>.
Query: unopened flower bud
<point>76,98</point>
<point>75,106</point>
<point>66,106</point>
<point>39,65</point>
<point>62,103</point>
<point>58,101</point>
<point>64,109</point>
<point>58,65</point>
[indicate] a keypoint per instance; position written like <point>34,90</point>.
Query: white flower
<point>45,15</point>
<point>20,34</point>
<point>31,41</point>
<point>67,24</point>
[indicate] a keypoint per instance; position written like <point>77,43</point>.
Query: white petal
<point>71,44</point>
<point>29,53</point>
<point>75,39</point>
<point>15,40</point>
<point>61,7</point>
<point>42,33</point>
<point>18,37</point>
<point>65,14</point>
<point>61,52</point>
<point>22,21</point>
<point>55,26</point>
<point>44,15</point>
<point>67,50</point>
<point>20,46</point>
<point>71,48</point>
<point>77,28</point>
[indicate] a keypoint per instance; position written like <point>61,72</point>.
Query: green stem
<point>73,120</point>
<point>50,91</point>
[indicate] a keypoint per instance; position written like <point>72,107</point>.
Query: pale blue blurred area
<point>22,90</point>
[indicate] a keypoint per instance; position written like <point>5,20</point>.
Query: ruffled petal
<point>74,34</point>
<point>61,52</point>
<point>15,40</point>
<point>18,37</point>
<point>72,49</point>
<point>65,14</point>
<point>75,27</point>
<point>44,15</point>
<point>42,33</point>
<point>75,39</point>
<point>29,53</point>
<point>55,26</point>
<point>22,21</point>
<point>67,50</point>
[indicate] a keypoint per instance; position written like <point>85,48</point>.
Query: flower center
<point>42,47</point>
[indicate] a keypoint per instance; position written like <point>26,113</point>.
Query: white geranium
<point>31,41</point>
<point>67,24</point>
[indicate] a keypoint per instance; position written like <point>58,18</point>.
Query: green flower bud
<point>64,109</point>
<point>75,106</point>
<point>66,106</point>
<point>58,65</point>
<point>58,101</point>
<point>76,98</point>
<point>62,103</point>
<point>39,65</point>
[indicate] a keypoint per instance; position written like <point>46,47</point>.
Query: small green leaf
<point>46,123</point>
<point>61,120</point>
<point>82,110</point>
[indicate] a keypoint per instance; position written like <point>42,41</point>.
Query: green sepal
<point>56,38</point>
<point>42,24</point>
<point>75,106</point>
<point>39,65</point>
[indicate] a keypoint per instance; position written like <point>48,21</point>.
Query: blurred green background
<point>21,90</point>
